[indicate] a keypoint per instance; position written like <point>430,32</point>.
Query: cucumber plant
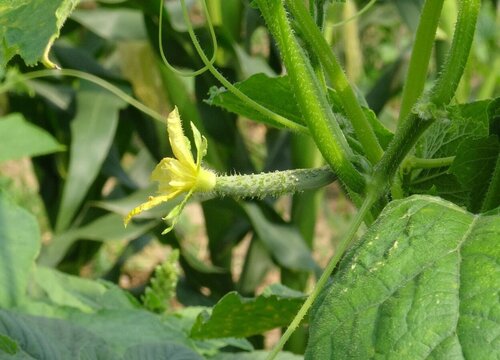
<point>421,282</point>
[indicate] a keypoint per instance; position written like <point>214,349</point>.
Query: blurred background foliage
<point>104,150</point>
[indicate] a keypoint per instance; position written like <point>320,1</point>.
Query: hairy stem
<point>420,56</point>
<point>415,124</point>
<point>313,103</point>
<point>455,62</point>
<point>333,70</point>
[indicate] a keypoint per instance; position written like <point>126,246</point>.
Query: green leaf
<point>473,167</point>
<point>20,244</point>
<point>422,283</point>
<point>83,294</point>
<point>92,132</point>
<point>184,320</point>
<point>236,316</point>
<point>273,93</point>
<point>166,350</point>
<point>29,27</point>
<point>19,138</point>
<point>255,355</point>
<point>113,24</point>
<point>123,329</point>
<point>106,228</point>
<point>257,264</point>
<point>462,122</point>
<point>448,137</point>
<point>53,339</point>
<point>281,239</point>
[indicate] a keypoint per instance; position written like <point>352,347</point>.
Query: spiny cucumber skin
<point>272,184</point>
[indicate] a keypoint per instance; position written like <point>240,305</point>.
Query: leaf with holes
<point>29,27</point>
<point>235,316</point>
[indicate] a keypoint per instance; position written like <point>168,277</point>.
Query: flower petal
<point>152,202</point>
<point>180,144</point>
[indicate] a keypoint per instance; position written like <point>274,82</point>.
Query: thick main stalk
<point>312,101</point>
<point>333,70</point>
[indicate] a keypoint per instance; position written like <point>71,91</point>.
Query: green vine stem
<point>278,119</point>
<point>453,68</point>
<point>420,56</point>
<point>412,127</point>
<point>339,251</point>
<point>338,80</point>
<point>10,83</point>
<point>356,15</point>
<point>212,37</point>
<point>313,103</point>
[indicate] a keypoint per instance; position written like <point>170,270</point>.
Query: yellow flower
<point>178,175</point>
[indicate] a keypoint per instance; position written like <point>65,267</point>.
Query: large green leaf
<point>19,138</point>
<point>92,133</point>
<point>235,316</point>
<point>125,328</point>
<point>165,350</point>
<point>255,355</point>
<point>53,339</point>
<point>422,283</point>
<point>28,27</point>
<point>19,243</point>
<point>107,335</point>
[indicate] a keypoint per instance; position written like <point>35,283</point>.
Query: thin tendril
<point>88,77</point>
<point>358,14</point>
<point>162,52</point>
<point>339,252</point>
<point>255,105</point>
